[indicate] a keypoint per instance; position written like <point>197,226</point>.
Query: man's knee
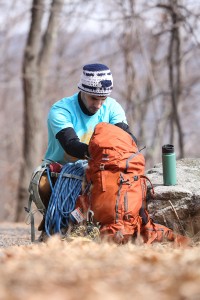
<point>44,190</point>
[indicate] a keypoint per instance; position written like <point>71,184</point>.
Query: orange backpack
<point>117,194</point>
<point>118,185</point>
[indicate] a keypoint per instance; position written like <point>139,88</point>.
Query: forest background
<point>152,48</point>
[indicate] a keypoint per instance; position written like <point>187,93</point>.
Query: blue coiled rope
<point>64,196</point>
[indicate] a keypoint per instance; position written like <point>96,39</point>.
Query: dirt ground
<point>12,234</point>
<point>83,269</point>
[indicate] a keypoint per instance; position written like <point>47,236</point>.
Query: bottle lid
<point>168,148</point>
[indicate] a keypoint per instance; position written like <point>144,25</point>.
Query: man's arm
<point>72,145</point>
<point>126,128</point>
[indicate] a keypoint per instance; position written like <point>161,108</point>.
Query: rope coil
<point>64,196</point>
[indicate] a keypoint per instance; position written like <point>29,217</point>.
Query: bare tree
<point>127,44</point>
<point>36,63</point>
<point>174,67</point>
<point>137,92</point>
<point>137,39</point>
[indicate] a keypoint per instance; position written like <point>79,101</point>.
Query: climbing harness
<point>34,196</point>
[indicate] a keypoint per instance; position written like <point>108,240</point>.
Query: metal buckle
<point>102,167</point>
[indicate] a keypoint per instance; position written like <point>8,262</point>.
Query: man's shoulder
<point>112,103</point>
<point>111,99</point>
<point>66,102</point>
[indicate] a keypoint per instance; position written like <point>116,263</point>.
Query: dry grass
<point>86,270</point>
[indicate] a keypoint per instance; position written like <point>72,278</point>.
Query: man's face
<point>92,103</point>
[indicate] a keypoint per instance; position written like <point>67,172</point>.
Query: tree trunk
<point>35,69</point>
<point>174,71</point>
<point>174,63</point>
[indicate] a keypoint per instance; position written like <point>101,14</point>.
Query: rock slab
<point>177,207</point>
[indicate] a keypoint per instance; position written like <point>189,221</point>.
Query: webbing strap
<point>128,159</point>
<point>154,234</point>
<point>35,197</point>
<point>117,202</point>
<point>32,222</point>
<point>67,175</point>
<point>72,176</point>
<point>34,188</point>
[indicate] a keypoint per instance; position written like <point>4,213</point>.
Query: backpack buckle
<point>102,167</point>
<point>123,181</point>
<point>105,156</point>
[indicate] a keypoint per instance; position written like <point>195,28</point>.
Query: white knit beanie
<point>96,79</point>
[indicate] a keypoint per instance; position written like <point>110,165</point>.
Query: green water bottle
<point>169,165</point>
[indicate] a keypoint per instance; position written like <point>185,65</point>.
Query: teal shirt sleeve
<point>58,119</point>
<point>117,114</point>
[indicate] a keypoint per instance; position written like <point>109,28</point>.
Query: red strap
<point>55,167</point>
<point>152,191</point>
